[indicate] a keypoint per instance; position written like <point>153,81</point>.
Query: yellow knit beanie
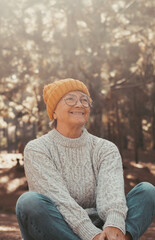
<point>53,92</point>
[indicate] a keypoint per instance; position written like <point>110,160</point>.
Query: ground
<point>13,184</point>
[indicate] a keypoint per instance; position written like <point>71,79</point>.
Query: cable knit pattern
<point>84,178</point>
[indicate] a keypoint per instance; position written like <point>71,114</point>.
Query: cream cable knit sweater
<point>84,178</point>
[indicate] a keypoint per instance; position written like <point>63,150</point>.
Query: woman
<point>76,179</point>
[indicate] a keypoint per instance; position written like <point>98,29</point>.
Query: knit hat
<point>53,92</point>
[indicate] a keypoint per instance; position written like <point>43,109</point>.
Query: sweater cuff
<point>115,219</point>
<point>87,231</point>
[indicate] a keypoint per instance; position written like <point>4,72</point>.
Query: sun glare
<point>7,229</point>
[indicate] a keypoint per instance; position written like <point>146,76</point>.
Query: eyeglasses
<point>72,100</point>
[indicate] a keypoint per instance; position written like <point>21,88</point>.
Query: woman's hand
<point>110,233</point>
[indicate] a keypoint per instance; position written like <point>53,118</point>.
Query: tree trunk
<point>135,126</point>
<point>118,125</point>
<point>140,134</point>
<point>153,126</point>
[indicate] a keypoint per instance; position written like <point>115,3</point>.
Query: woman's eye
<point>70,98</point>
<point>84,99</point>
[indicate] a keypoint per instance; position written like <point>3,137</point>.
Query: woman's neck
<point>71,132</point>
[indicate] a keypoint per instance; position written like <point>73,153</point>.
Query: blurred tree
<point>107,44</point>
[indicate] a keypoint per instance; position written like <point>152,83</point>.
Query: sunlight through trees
<point>109,45</point>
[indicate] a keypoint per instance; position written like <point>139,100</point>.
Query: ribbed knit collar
<point>58,138</point>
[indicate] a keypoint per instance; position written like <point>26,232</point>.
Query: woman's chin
<point>78,122</point>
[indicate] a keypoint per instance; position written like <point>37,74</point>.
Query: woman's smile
<point>79,113</point>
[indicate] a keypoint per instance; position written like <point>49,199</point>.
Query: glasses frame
<point>79,99</point>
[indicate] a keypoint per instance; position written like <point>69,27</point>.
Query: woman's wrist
<point>96,237</point>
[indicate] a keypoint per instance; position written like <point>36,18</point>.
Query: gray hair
<point>53,124</point>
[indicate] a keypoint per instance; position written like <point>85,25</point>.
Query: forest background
<point>109,45</point>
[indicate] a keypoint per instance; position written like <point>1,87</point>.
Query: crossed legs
<point>39,219</point>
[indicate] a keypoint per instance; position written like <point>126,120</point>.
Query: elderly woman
<point>76,179</point>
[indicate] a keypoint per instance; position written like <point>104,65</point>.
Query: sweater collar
<point>58,138</point>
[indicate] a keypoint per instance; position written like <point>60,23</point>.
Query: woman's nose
<point>78,103</point>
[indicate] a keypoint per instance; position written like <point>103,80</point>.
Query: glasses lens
<point>85,101</point>
<point>70,100</point>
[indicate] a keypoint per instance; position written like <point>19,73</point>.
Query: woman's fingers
<point>103,236</point>
<point>111,233</point>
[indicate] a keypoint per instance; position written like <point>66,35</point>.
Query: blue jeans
<point>39,219</point>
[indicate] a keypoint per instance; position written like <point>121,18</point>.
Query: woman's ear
<point>54,116</point>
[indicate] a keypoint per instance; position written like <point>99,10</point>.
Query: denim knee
<point>29,203</point>
<point>147,191</point>
<point>141,204</point>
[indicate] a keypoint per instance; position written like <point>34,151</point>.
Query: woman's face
<point>72,116</point>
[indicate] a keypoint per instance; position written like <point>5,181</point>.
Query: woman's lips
<point>77,113</point>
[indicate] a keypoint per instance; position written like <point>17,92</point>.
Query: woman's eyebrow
<point>72,94</point>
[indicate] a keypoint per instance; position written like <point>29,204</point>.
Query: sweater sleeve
<point>43,177</point>
<point>111,202</point>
